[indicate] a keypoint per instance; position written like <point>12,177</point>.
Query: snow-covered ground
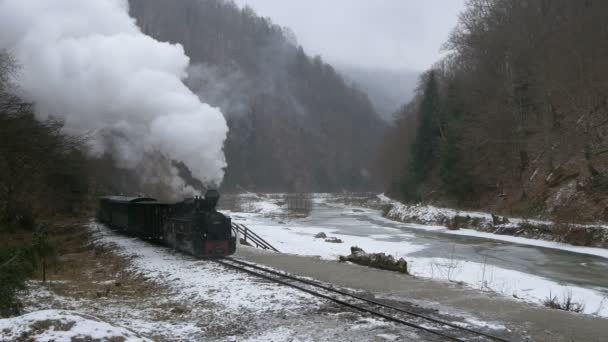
<point>265,217</point>
<point>61,325</point>
<point>200,300</point>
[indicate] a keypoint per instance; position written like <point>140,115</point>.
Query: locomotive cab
<point>198,228</point>
<point>218,235</point>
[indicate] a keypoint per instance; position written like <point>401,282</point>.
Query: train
<point>193,225</point>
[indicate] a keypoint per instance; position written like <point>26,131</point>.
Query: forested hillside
<point>42,169</point>
<point>516,117</point>
<point>295,124</point>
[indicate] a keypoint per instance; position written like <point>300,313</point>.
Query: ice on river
<point>297,236</point>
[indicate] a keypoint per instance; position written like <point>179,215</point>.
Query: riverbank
<point>568,233</point>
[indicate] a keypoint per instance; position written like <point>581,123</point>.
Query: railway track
<point>429,325</point>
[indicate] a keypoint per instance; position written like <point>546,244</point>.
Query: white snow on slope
<point>62,326</point>
<point>193,279</point>
<point>217,304</point>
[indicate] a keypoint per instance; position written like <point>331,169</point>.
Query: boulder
<point>320,236</point>
<point>376,260</point>
<point>333,240</point>
<point>458,222</point>
<point>357,250</point>
<point>497,220</point>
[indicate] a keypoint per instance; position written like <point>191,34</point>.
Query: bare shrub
<point>567,303</point>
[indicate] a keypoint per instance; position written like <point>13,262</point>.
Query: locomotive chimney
<point>212,197</point>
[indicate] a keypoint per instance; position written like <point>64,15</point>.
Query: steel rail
<point>338,301</point>
<point>372,301</point>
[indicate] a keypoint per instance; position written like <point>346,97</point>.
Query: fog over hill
<point>294,123</point>
<point>388,89</point>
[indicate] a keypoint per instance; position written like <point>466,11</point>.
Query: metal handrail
<point>259,242</point>
<point>253,237</point>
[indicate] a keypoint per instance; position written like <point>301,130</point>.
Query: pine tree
<point>16,266</point>
<point>454,169</point>
<point>42,249</point>
<point>423,149</point>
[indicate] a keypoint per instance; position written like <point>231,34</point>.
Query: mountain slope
<point>295,125</point>
<point>515,118</point>
<point>388,89</point>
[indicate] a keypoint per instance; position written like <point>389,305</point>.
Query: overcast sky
<point>393,34</point>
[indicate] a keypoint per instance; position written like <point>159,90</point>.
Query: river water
<point>522,270</point>
<point>564,267</point>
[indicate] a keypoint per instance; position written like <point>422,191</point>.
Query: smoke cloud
<point>88,63</point>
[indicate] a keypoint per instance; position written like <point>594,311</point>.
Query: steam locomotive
<point>192,226</point>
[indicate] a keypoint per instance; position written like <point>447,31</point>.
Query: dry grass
<point>94,279</point>
<point>567,303</point>
<point>85,270</point>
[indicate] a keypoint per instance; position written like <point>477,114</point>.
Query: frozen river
<point>523,269</point>
<point>565,267</point>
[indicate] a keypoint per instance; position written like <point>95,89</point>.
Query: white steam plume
<point>88,63</point>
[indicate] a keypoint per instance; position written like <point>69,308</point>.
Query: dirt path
<point>528,322</point>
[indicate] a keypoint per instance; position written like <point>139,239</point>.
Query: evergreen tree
<point>423,149</point>
<point>42,249</point>
<point>455,171</point>
<point>16,265</point>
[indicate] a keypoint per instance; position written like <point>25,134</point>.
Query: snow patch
<point>193,279</point>
<point>61,325</point>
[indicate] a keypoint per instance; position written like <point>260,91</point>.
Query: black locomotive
<point>193,226</point>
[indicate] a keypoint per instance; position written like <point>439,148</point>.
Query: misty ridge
<point>174,97</point>
<point>387,89</point>
<point>485,176</point>
<point>295,123</point>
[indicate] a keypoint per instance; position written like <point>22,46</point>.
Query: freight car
<point>193,225</point>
